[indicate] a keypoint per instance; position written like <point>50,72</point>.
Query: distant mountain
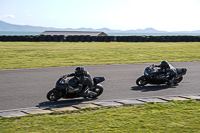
<point>147,30</point>
<point>12,27</point>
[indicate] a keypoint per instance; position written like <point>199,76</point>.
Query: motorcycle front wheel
<point>53,95</point>
<point>141,81</point>
<point>98,89</point>
<point>176,81</point>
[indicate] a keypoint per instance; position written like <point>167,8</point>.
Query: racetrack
<point>21,88</point>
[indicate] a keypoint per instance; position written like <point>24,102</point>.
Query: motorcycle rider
<point>168,70</point>
<point>83,78</point>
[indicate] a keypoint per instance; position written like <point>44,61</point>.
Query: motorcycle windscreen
<point>98,79</point>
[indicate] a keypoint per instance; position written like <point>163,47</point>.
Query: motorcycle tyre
<point>178,80</point>
<point>52,95</point>
<point>99,92</point>
<point>141,81</point>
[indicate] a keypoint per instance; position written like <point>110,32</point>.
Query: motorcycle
<point>154,75</point>
<point>64,88</point>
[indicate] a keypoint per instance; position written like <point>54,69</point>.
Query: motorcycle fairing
<point>97,80</point>
<point>181,71</point>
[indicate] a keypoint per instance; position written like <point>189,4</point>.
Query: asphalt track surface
<point>22,88</point>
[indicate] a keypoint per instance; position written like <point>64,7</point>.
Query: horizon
<point>166,15</point>
<point>91,29</point>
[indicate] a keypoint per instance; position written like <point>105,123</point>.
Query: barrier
<point>62,38</point>
<point>3,38</point>
<point>94,38</point>
<point>88,38</point>
<point>42,38</point>
<point>69,38</point>
<point>82,38</point>
<point>75,38</point>
<point>100,39</point>
<point>49,38</point>
<point>112,38</point>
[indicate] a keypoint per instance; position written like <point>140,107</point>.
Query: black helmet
<point>79,71</point>
<point>164,64</point>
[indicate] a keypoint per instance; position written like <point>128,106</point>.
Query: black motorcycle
<point>154,75</point>
<point>64,88</point>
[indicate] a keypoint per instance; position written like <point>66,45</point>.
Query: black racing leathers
<point>170,72</point>
<point>84,79</point>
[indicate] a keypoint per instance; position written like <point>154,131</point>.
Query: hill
<point>13,27</point>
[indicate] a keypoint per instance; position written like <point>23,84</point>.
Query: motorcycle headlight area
<point>63,81</point>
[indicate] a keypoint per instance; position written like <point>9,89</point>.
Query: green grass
<point>166,117</point>
<point>171,117</point>
<point>17,55</point>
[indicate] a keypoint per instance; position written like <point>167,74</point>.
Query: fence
<point>61,38</point>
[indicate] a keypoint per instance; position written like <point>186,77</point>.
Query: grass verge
<point>175,116</point>
<point>17,55</point>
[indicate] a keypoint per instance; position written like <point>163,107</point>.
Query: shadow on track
<point>151,88</point>
<point>64,102</point>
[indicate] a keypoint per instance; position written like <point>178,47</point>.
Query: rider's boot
<point>169,82</point>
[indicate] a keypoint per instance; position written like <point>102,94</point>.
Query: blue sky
<point>168,15</point>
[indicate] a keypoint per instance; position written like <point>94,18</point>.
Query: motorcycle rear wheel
<point>53,95</point>
<point>141,81</point>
